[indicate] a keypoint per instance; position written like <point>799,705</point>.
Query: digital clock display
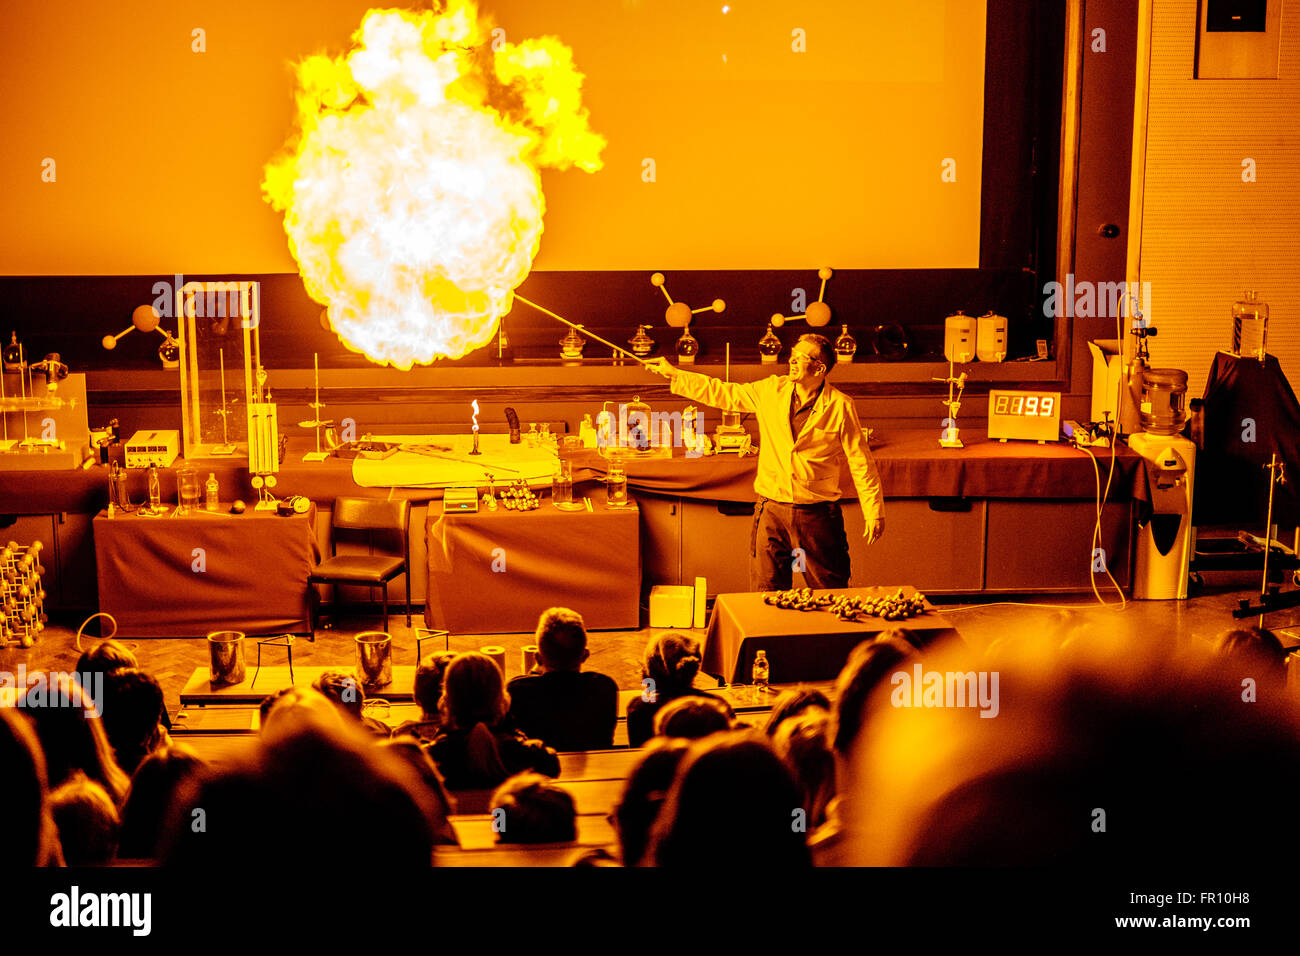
<point>1016,403</point>
<point>1024,415</point>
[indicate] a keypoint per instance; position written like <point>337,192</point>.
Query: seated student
<point>426,692</point>
<point>31,838</point>
<point>107,657</point>
<point>72,738</point>
<point>644,793</point>
<point>1254,652</point>
<point>803,742</point>
<point>565,707</point>
<point>476,748</point>
<point>434,800</point>
<point>133,709</point>
<point>732,800</point>
<point>669,668</point>
<point>869,666</point>
<point>348,695</point>
<point>317,791</point>
<point>87,822</point>
<point>692,717</point>
<point>532,809</point>
<point>157,780</point>
<point>792,703</point>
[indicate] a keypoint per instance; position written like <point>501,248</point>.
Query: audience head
<point>671,660</point>
<point>343,689</point>
<point>561,640</point>
<point>315,792</point>
<point>169,770</point>
<point>269,701</point>
<point>30,834</point>
<point>299,707</point>
<point>72,734</point>
<point>473,692</point>
<point>428,681</point>
<point>433,797</point>
<point>870,664</point>
<point>1253,652</point>
<point>87,821</point>
<point>533,809</point>
<point>1104,752</point>
<point>792,703</point>
<point>692,717</point>
<point>133,709</point>
<point>644,793</point>
<point>733,799</point>
<point>106,657</point>
<point>804,743</point>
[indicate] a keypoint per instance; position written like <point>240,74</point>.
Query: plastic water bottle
<point>762,671</point>
<point>211,494</point>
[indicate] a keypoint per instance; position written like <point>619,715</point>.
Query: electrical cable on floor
<point>1059,607</point>
<point>103,637</point>
<point>1096,529</point>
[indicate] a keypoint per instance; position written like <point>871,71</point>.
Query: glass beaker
<point>1250,327</point>
<point>562,484</point>
<point>187,490</point>
<point>616,488</point>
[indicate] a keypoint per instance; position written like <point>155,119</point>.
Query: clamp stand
<point>949,437</point>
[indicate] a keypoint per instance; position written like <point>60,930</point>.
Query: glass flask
<point>571,346</point>
<point>846,345</point>
<point>769,347</point>
<point>642,344</point>
<point>688,346</point>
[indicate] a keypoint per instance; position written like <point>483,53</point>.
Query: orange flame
<point>475,404</point>
<point>410,190</point>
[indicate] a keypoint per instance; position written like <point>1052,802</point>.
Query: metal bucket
<point>226,653</point>
<point>374,659</point>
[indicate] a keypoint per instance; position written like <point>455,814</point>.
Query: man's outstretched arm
<point>866,477</point>
<point>729,396</point>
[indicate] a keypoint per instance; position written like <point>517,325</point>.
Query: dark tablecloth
<point>912,465</point>
<point>587,561</point>
<point>800,645</point>
<point>254,578</point>
<point>1251,413</point>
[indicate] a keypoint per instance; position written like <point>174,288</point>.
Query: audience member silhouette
<point>530,808</point>
<point>476,748</point>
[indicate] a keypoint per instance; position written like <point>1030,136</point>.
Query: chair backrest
<point>385,522</point>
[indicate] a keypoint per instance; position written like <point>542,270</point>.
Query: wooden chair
<point>385,525</point>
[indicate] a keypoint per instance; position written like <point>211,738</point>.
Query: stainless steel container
<point>374,659</point>
<point>226,653</point>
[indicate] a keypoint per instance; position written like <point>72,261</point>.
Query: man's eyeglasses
<point>803,359</point>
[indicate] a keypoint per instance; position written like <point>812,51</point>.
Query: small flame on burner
<point>475,404</point>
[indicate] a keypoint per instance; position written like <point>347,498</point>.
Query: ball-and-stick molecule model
<point>678,314</point>
<point>22,599</point>
<point>146,319</point>
<point>818,313</point>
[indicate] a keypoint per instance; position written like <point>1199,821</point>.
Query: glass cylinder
<point>155,489</point>
<point>616,488</point>
<point>187,490</point>
<point>562,484</point>
<point>1250,327</point>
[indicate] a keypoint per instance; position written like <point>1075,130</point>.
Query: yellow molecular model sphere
<point>819,313</point>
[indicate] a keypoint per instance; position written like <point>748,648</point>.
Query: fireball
<point>410,187</point>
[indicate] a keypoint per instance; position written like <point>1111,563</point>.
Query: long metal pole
<point>583,330</point>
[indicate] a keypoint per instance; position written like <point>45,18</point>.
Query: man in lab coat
<point>806,428</point>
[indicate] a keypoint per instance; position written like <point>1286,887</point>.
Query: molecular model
<point>678,314</point>
<point>21,598</point>
<point>818,313</point>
